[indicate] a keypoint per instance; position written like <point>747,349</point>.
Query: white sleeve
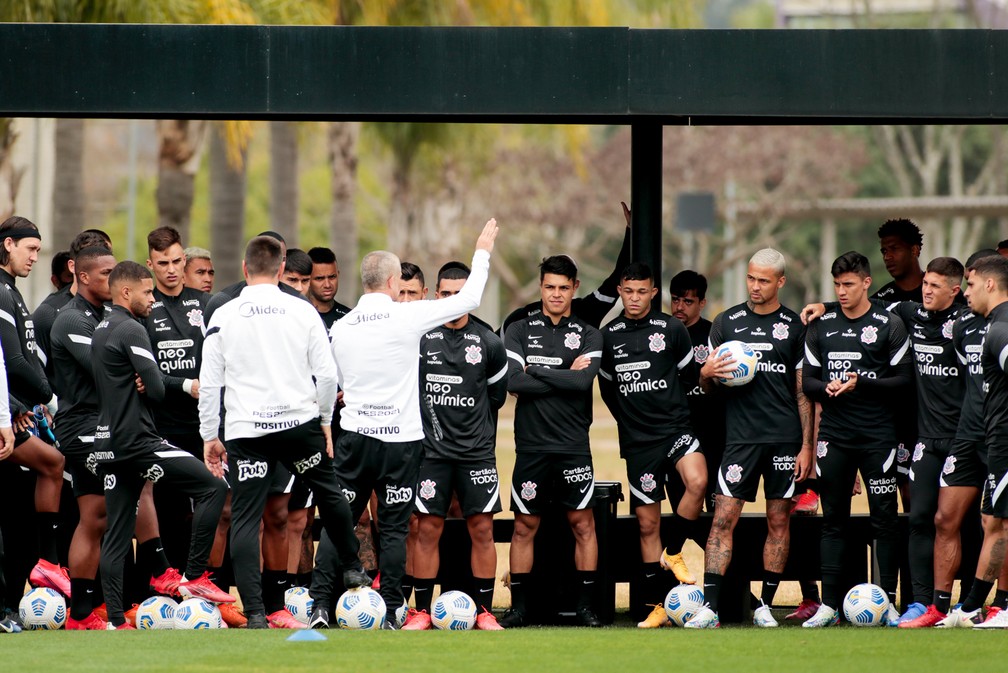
<point>211,379</point>
<point>426,315</point>
<point>5,416</point>
<point>323,368</point>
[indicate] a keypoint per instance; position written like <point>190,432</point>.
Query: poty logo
<point>780,331</point>
<point>427,489</point>
<point>528,491</point>
<point>308,463</point>
<point>109,482</point>
<point>473,355</point>
<point>821,449</point>
<point>248,470</point>
<point>734,473</point>
<point>918,452</point>
<point>869,333</point>
<point>647,482</point>
<point>394,494</point>
<point>349,495</point>
<point>153,473</point>
<point>656,342</point>
<point>701,353</point>
<point>572,340</point>
<point>91,463</point>
<point>195,317</point>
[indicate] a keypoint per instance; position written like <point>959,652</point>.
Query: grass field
<point>555,650</point>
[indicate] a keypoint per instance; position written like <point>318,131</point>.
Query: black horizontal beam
<point>587,75</point>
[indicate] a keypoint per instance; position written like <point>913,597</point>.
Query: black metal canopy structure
<point>642,78</point>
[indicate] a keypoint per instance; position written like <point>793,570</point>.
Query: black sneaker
<point>257,620</point>
<point>389,626</point>
<point>512,619</point>
<point>319,617</point>
<point>586,617</point>
<point>8,625</point>
<point>356,577</point>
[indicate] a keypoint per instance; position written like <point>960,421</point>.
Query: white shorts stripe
<point>420,506</point>
<point>640,496</point>
<point>791,489</point>
<point>723,485</point>
<point>493,501</point>
<point>588,495</point>
<point>692,447</point>
<point>517,501</point>
<point>999,491</point>
<point>86,439</point>
<point>889,461</point>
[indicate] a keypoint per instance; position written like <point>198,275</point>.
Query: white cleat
<point>763,618</point>
<point>957,619</point>
<point>997,621</point>
<point>824,616</point>
<point>894,616</point>
<point>705,618</point>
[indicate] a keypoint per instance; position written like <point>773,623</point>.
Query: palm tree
<point>227,206</point>
<point>181,143</point>
<point>284,180</point>
<point>343,138</point>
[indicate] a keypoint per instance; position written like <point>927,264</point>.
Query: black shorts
<point>474,481</point>
<point>995,493</point>
<point>903,461</point>
<point>651,471</point>
<point>82,466</point>
<point>966,464</point>
<point>282,482</point>
<point>559,478</point>
<point>301,496</point>
<point>744,464</point>
<point>935,449</point>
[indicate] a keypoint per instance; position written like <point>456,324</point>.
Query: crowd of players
<point>186,420</point>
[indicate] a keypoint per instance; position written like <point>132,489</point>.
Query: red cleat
<point>807,503</point>
<point>202,587</point>
<point>46,574</point>
<point>90,623</point>
<point>102,612</point>
<point>232,616</point>
<point>926,620</point>
<point>417,621</point>
<point>376,584</point>
<point>806,610</point>
<point>130,615</point>
<point>125,626</point>
<point>167,583</point>
<point>282,619</point>
<point>485,621</point>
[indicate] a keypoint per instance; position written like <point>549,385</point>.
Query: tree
<point>284,180</point>
<point>69,206</point>
<point>343,138</point>
<point>227,206</point>
<point>9,176</point>
<point>181,143</point>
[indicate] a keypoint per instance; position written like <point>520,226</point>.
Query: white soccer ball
<point>682,602</point>
<point>866,605</point>
<point>745,362</point>
<point>361,608</point>
<point>299,603</point>
<point>155,613</point>
<point>400,614</point>
<point>453,611</point>
<point>43,608</point>
<point>196,613</point>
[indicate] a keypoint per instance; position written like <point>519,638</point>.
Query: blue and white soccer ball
<point>156,613</point>
<point>866,605</point>
<point>682,602</point>
<point>453,611</point>
<point>361,608</point>
<point>43,609</point>
<point>745,362</point>
<point>299,603</point>
<point>196,613</point>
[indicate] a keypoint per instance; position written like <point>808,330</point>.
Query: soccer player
<point>412,287</point>
<point>768,431</point>
<point>594,307</point>
<point>857,359</point>
<point>324,285</point>
<point>298,270</point>
<point>1002,248</point>
<point>262,353</point>
<point>129,450</point>
<point>463,382</point>
<point>688,298</point>
<point>20,243</point>
<point>645,353</point>
<point>553,359</point>
<point>377,350</point>
<point>987,294</point>
<point>199,269</point>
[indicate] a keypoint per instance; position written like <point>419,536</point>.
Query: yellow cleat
<point>656,619</point>
<point>675,563</point>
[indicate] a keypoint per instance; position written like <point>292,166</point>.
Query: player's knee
<point>481,529</point>
<point>583,528</point>
<point>696,486</point>
<point>52,463</point>
<point>524,530</point>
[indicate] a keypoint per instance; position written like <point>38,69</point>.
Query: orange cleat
<point>130,615</point>
<point>232,616</point>
<point>46,574</point>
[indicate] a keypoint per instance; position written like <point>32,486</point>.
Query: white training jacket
<point>377,351</point>
<point>263,347</point>
<point>5,416</point>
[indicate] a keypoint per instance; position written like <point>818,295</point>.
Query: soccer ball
<point>745,362</point>
<point>683,602</point>
<point>453,611</point>
<point>400,614</point>
<point>157,612</point>
<point>43,608</point>
<point>196,613</point>
<point>299,603</point>
<point>361,608</point>
<point>866,605</point>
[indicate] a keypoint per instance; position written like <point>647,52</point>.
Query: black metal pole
<point>646,197</point>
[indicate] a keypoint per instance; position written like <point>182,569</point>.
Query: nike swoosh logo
<point>430,353</point>
<point>619,346</point>
<point>829,334</point>
<point>585,489</point>
<point>490,491</point>
<point>741,329</point>
<point>160,320</point>
<point>537,336</point>
<point>650,576</point>
<point>970,331</point>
